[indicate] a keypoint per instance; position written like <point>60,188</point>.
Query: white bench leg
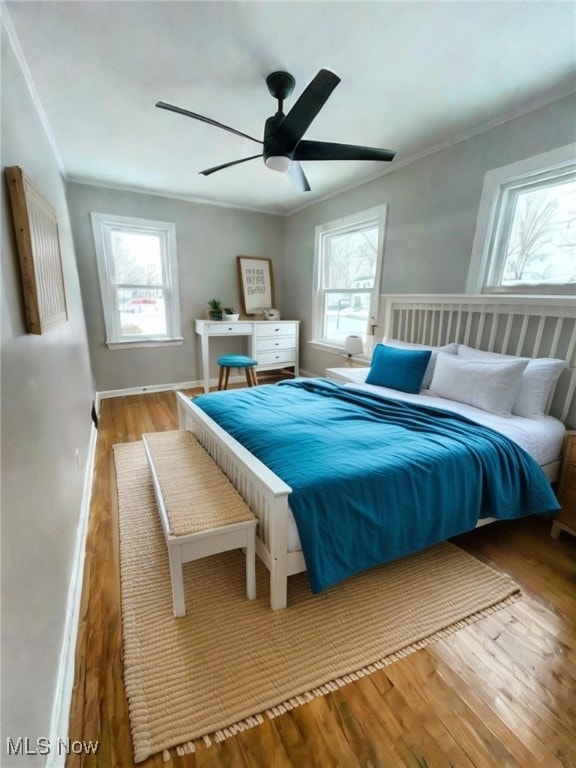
<point>251,564</point>
<point>178,601</point>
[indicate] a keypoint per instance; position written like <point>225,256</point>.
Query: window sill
<point>527,289</point>
<point>145,343</point>
<point>324,346</point>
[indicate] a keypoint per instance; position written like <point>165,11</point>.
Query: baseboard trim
<point>159,388</point>
<point>63,694</point>
<point>147,389</point>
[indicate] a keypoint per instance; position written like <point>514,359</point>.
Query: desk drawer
<point>282,357</point>
<point>276,329</point>
<point>270,345</point>
<point>229,329</point>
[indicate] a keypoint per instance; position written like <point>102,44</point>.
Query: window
<point>138,279</point>
<point>526,241</point>
<point>348,267</point>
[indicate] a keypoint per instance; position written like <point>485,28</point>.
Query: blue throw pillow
<point>401,369</point>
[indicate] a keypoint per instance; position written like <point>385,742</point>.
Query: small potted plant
<point>230,315</point>
<point>215,309</point>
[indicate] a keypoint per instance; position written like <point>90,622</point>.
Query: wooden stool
<point>236,361</point>
<point>201,512</point>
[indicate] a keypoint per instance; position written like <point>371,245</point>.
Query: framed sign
<point>38,243</point>
<point>256,284</point>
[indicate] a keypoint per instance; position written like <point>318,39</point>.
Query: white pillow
<point>450,349</point>
<point>536,383</point>
<point>491,386</point>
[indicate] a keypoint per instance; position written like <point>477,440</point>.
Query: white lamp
<point>278,163</point>
<point>353,346</point>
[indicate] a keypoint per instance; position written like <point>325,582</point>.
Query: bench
<point>201,512</point>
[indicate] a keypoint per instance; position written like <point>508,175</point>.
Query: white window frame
<point>102,225</point>
<point>375,215</point>
<point>485,262</point>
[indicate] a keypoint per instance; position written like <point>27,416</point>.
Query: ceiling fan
<point>283,144</point>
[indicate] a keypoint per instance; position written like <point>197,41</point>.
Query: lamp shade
<point>353,345</point>
<point>278,162</point>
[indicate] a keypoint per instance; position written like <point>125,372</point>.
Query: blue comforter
<point>374,479</point>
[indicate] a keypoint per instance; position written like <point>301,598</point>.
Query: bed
<point>521,328</point>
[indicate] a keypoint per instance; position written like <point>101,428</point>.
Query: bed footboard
<point>264,492</point>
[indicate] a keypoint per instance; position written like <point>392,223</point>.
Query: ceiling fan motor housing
<point>280,85</point>
<point>272,146</point>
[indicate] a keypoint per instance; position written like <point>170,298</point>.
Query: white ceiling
<point>415,76</point>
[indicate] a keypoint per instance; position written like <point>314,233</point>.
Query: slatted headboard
<point>521,325</point>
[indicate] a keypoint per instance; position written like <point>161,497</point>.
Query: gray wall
<point>209,238</point>
<point>432,208</point>
<point>46,401</point>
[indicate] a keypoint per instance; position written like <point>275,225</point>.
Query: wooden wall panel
<point>36,229</point>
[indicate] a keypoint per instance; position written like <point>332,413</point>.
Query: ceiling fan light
<point>278,163</point>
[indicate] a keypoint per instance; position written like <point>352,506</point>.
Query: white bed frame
<point>517,326</point>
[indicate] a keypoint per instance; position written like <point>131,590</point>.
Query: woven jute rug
<point>230,662</point>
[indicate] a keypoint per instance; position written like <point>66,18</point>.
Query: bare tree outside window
<point>541,246</point>
<point>352,259</point>
<point>525,239</point>
<point>350,265</point>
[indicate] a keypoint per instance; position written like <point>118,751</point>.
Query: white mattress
<point>541,438</point>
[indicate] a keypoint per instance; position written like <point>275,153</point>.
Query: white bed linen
<point>542,438</point>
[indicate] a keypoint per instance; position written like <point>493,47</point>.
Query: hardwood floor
<point>501,692</point>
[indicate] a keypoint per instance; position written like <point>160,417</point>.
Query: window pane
<point>137,257</point>
<point>541,245</point>
<point>345,314</point>
<point>138,275</point>
<point>350,258</point>
<point>142,311</point>
<point>348,262</point>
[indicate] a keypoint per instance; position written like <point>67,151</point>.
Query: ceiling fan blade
<point>208,171</point>
<point>187,113</point>
<point>297,177</point>
<point>310,102</point>
<point>325,150</point>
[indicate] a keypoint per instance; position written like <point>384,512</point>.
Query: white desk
<point>273,343</point>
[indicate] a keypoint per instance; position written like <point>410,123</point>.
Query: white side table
<point>355,374</point>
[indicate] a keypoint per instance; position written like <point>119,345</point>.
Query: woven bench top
<point>197,494</point>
